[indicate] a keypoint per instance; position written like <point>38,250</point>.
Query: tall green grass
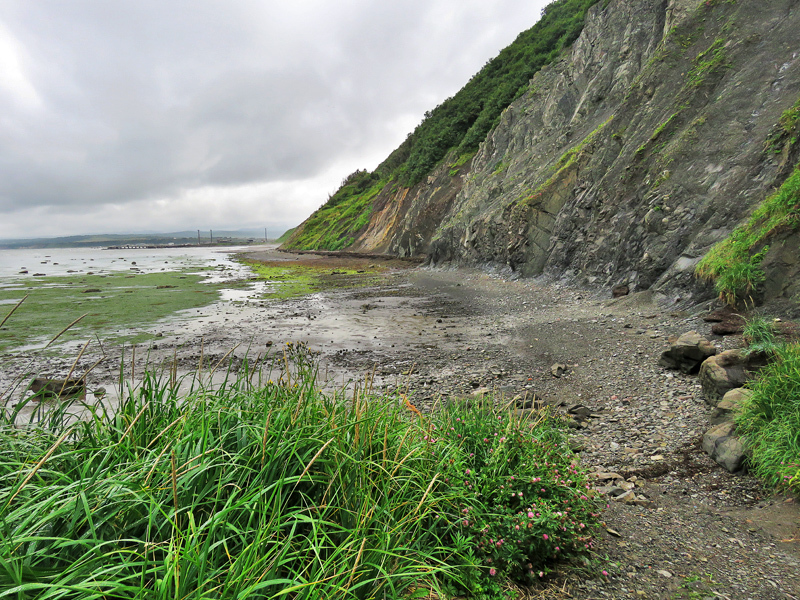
<point>271,489</point>
<point>770,420</point>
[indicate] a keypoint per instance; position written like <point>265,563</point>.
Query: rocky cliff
<point>656,133</point>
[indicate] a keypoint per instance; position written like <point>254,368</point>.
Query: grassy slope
<point>459,125</point>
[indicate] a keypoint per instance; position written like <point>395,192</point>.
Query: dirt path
<point>702,533</point>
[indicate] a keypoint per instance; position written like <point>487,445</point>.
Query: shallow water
<point>68,261</point>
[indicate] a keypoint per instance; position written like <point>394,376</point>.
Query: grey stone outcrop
<point>730,403</point>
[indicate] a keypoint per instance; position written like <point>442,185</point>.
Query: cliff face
<point>650,139</point>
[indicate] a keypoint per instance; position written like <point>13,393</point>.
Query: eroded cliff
<point>653,136</point>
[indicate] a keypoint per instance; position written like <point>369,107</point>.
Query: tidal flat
<point>440,335</point>
<point>129,295</point>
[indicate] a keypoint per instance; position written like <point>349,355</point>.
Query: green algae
<point>112,305</point>
<point>293,280</point>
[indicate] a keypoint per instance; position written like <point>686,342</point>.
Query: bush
<point>272,489</point>
<point>770,420</point>
<point>759,333</point>
<point>522,501</point>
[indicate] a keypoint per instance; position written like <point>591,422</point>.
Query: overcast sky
<point>161,115</point>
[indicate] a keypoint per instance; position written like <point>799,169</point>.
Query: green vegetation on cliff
<point>463,121</point>
<point>734,264</point>
<point>458,124</point>
<point>332,226</point>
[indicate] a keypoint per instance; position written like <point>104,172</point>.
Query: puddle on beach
<point>255,292</point>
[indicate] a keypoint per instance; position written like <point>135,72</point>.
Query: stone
<point>687,353</point>
<point>558,369</point>
<point>576,446</point>
<point>57,388</point>
<point>664,573</point>
<point>727,328</point>
<point>724,447</point>
<point>726,321</point>
<point>606,476</point>
<point>627,498</point>
<point>726,371</point>
<point>731,454</point>
<point>580,412</point>
<point>620,290</point>
<point>730,402</point>
<point>714,434</point>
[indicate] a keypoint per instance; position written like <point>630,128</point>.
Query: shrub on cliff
<point>734,264</point>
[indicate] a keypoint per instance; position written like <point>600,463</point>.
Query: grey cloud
<point>129,100</point>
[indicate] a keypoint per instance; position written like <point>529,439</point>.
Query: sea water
<point>81,261</point>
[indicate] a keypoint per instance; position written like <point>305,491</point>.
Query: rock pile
<point>618,489</point>
<point>722,377</point>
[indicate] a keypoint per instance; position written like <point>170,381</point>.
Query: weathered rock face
<point>627,158</point>
<point>404,220</point>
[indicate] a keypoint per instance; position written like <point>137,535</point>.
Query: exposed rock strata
<point>627,158</point>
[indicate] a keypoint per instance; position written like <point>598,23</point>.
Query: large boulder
<point>687,353</point>
<point>726,371</point>
<point>724,447</point>
<point>727,407</point>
